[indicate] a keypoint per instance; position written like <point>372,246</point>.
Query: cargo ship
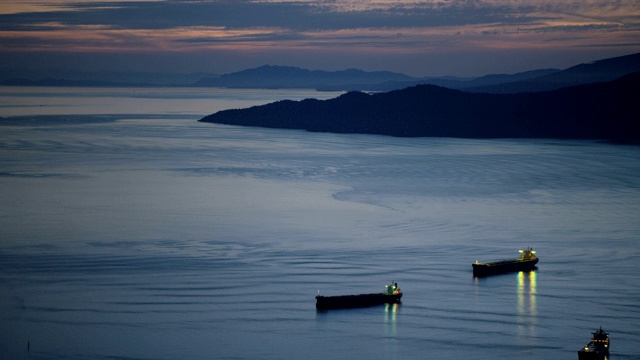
<point>392,295</point>
<point>597,348</point>
<point>526,262</point>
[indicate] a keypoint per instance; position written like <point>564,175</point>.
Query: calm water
<point>130,231</point>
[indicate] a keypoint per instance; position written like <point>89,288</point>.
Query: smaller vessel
<point>526,262</point>
<point>392,294</point>
<point>597,348</point>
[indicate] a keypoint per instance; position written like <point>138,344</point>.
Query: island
<point>602,111</point>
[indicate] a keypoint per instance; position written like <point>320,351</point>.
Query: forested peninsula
<point>606,111</point>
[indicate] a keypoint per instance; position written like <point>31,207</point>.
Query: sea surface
<point>130,231</point>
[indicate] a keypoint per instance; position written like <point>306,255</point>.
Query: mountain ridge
<point>288,77</point>
<point>275,76</point>
<point>602,111</point>
<point>585,73</point>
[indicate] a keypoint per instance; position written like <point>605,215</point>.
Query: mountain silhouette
<point>287,77</point>
<point>608,111</point>
<point>597,71</point>
<point>528,81</point>
<point>283,77</point>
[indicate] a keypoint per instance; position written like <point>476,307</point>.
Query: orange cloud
<point>528,24</point>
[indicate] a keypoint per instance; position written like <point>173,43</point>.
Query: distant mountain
<point>527,81</point>
<point>286,77</point>
<point>272,77</point>
<point>65,82</point>
<point>597,71</point>
<point>448,82</point>
<point>495,79</point>
<point>102,79</point>
<point>596,111</point>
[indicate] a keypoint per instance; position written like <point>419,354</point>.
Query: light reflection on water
<point>391,316</point>
<point>160,239</point>
<point>527,310</point>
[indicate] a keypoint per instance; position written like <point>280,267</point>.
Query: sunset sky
<point>419,38</point>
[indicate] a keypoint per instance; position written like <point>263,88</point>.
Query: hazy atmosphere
<point>419,38</point>
<point>196,179</point>
<point>157,237</point>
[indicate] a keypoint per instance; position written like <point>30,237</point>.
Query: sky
<point>418,38</point>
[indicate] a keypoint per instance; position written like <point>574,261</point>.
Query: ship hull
<point>597,348</point>
<point>501,267</point>
<point>593,355</point>
<point>355,301</point>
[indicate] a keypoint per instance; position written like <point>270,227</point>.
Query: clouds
<point>303,28</point>
<point>314,15</point>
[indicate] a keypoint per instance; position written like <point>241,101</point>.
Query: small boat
<point>526,262</point>
<point>391,295</point>
<point>597,348</point>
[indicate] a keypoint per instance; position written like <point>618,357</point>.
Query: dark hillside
<point>594,72</point>
<point>596,111</point>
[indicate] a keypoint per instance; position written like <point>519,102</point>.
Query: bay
<point>128,230</point>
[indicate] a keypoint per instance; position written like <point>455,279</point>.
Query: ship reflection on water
<point>527,310</point>
<point>390,317</point>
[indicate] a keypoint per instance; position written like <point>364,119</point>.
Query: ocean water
<point>128,230</point>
